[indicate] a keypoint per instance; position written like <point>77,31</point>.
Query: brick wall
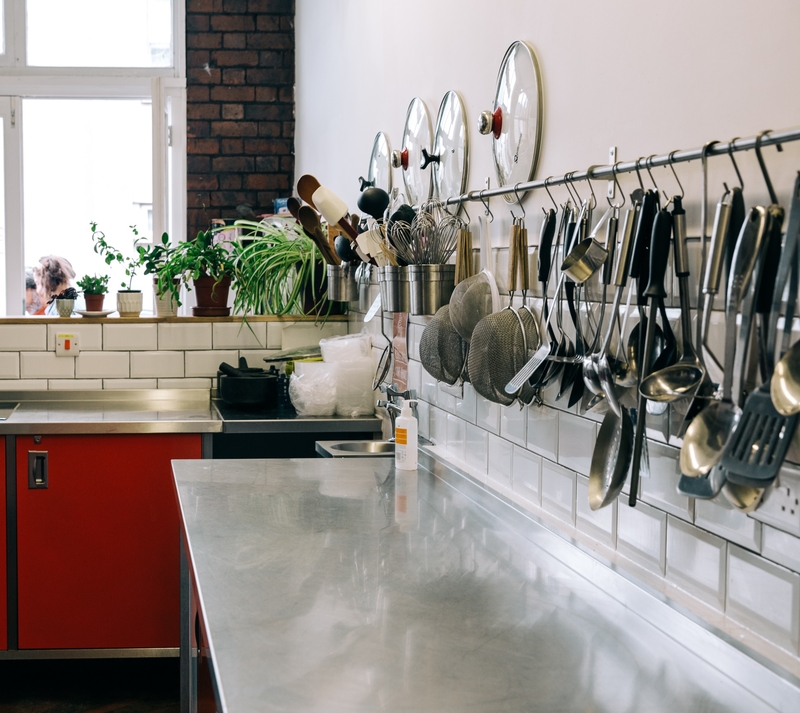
<point>240,106</point>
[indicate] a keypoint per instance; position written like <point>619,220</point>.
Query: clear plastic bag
<point>312,389</point>
<point>346,348</point>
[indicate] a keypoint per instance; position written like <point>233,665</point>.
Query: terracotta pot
<point>212,297</point>
<point>94,303</point>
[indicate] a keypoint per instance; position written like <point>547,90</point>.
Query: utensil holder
<point>430,287</point>
<point>363,278</point>
<point>342,285</point>
<point>394,285</point>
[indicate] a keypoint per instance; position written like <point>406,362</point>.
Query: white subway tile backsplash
<point>476,448</point>
<point>576,438</point>
<point>781,504</point>
<point>299,334</point>
<point>660,489</point>
<point>255,358</point>
<point>445,400</point>
<point>514,423</point>
<point>697,561</point>
<point>184,383</point>
<point>114,365</point>
<point>600,524</point>
<point>543,431</point>
<point>9,365</point>
<point>185,336</point>
<point>456,436</point>
<point>206,363</point>
<point>721,518</point>
<point>131,337</point>
<point>500,461</point>
<point>45,365</point>
<point>642,535</point>
<point>558,491</point>
<point>90,336</point>
<point>19,337</point>
<point>781,547</point>
<point>415,377</point>
<point>75,384</point>
<point>23,385</point>
<point>437,428</point>
<point>423,418</point>
<point>467,405</point>
<point>526,479</point>
<point>157,364</point>
<point>414,334</point>
<point>239,335</point>
<point>130,384</point>
<point>764,596</point>
<point>487,414</point>
<point>430,387</point>
<point>274,335</point>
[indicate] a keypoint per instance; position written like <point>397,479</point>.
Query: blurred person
<point>52,275</point>
<point>32,300</point>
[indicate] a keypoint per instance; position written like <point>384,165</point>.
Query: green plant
<point>153,256</point>
<point>280,271</point>
<point>191,259</point>
<point>111,254</point>
<point>93,285</point>
<point>69,294</point>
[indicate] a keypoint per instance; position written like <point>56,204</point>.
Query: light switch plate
<point>67,345</point>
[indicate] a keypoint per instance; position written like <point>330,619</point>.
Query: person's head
<point>32,301</point>
<point>52,275</point>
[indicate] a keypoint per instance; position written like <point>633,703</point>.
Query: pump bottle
<point>405,438</point>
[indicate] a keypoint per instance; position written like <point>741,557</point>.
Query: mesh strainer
<point>442,351</point>
<point>477,296</point>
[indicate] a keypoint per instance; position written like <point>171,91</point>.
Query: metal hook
<point>462,206</point>
<point>731,145</point>
<point>519,202</point>
<point>485,202</point>
<point>647,164</point>
<point>555,205</point>
<point>772,196</point>
<point>593,202</point>
<point>638,174</point>
<point>571,175</point>
<point>669,163</point>
<point>619,188</point>
<point>568,186</point>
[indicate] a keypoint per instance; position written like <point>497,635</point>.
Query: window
<point>92,105</point>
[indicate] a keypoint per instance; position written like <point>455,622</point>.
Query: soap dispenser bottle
<point>405,438</point>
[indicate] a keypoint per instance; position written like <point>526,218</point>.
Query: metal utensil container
<point>342,285</point>
<point>363,277</point>
<point>430,287</point>
<point>395,293</point>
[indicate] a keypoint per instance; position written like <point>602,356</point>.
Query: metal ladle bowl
<point>706,437</point>
<point>611,459</point>
<point>674,382</point>
<point>784,387</point>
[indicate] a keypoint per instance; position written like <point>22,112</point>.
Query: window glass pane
<point>2,218</point>
<point>99,33</point>
<point>87,160</point>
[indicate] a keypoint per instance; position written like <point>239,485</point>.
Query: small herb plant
<point>93,284</point>
<point>111,254</point>
<point>69,294</point>
<point>153,256</point>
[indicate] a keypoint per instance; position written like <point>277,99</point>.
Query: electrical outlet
<point>781,506</point>
<point>67,345</point>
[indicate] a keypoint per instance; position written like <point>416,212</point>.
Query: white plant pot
<point>65,307</point>
<point>129,304</point>
<point>166,306</point>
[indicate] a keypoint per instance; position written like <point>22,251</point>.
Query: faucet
<point>390,404</point>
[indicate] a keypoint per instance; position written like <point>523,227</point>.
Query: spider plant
<point>279,270</point>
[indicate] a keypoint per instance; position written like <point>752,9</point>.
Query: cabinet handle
<point>37,470</point>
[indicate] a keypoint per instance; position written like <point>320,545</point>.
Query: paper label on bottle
<point>401,436</point>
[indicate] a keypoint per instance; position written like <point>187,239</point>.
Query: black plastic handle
<point>735,223</point>
<point>229,370</point>
<point>772,258</point>
<point>641,238</point>
<point>659,255</point>
<point>428,158</point>
<point>679,229</point>
<point>546,236</point>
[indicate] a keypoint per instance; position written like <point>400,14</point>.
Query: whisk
<point>430,239</point>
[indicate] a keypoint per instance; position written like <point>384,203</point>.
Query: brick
<point>262,40</point>
<point>274,112</point>
<point>233,23</point>
<point>235,58</point>
<point>196,93</point>
<point>197,58</point>
<point>203,75</point>
<point>201,182</point>
<point>287,131</point>
<point>232,94</point>
<point>269,129</point>
<point>267,94</point>
<point>269,6</point>
<point>202,111</point>
<point>198,164</point>
<point>286,94</point>
<point>203,146</point>
<point>233,146</point>
<point>229,198</point>
<point>270,76</point>
<point>233,76</point>
<point>256,181</point>
<point>196,23</point>
<point>267,197</point>
<point>287,23</point>
<point>203,40</point>
<point>233,41</point>
<point>230,181</point>
<point>232,164</point>
<point>198,129</point>
<point>234,128</point>
<point>234,6</point>
<point>287,164</point>
<point>232,111</point>
<point>203,6</point>
<point>278,41</point>
<point>265,23</point>
<point>199,199</point>
<point>270,60</point>
<point>266,164</point>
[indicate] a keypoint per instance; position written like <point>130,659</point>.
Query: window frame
<point>164,86</point>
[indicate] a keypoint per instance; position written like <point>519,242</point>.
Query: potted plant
<point>129,301</point>
<point>280,270</point>
<point>153,258</point>
<point>94,290</point>
<point>209,264</point>
<point>65,301</point>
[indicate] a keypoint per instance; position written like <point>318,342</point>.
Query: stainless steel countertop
<point>340,585</point>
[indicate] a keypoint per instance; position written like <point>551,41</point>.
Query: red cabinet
<point>98,557</point>
<point>3,584</point>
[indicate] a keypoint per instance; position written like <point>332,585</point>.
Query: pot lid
<point>380,170</point>
<point>515,123</point>
<point>450,156</point>
<point>417,135</point>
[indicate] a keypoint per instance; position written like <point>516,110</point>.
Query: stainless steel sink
<point>350,449</point>
<point>7,408</point>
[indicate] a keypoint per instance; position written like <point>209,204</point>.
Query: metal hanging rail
<point>768,138</point>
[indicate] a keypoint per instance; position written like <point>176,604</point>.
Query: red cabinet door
<point>3,584</point>
<point>98,556</point>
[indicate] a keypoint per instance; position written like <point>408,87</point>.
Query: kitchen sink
<point>350,449</point>
<point>7,408</point>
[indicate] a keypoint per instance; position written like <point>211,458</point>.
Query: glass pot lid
<point>450,156</point>
<point>516,120</point>
<point>380,170</point>
<point>417,135</point>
